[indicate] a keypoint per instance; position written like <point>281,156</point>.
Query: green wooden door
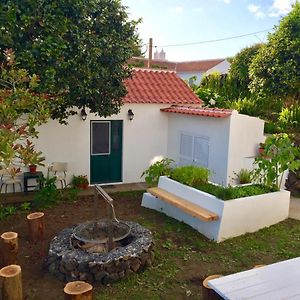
<point>106,151</point>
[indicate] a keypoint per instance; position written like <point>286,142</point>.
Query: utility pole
<point>150,53</point>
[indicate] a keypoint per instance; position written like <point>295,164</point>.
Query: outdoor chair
<point>60,171</point>
<point>6,179</point>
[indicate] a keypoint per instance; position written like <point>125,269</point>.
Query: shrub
<point>79,180</point>
<point>244,176</point>
<point>159,168</point>
<point>210,98</point>
<point>279,155</point>
<point>289,118</point>
<point>48,195</point>
<point>191,175</point>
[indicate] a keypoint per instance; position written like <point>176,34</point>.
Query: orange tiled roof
<point>199,111</point>
<point>156,86</point>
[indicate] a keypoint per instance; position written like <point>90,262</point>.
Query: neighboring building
<point>185,69</point>
<point>189,69</point>
<point>166,123</point>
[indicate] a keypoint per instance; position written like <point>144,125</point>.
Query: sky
<point>171,22</point>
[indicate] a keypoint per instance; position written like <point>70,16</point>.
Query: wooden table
<point>272,282</point>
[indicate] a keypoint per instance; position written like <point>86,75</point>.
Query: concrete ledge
<point>237,216</point>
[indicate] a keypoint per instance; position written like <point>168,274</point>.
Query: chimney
<point>150,53</point>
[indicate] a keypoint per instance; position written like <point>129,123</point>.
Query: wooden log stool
<point>78,290</point>
<point>36,227</point>
<point>11,283</point>
<point>207,292</point>
<point>9,248</point>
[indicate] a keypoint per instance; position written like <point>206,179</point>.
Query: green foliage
<point>242,191</point>
<point>225,85</point>
<point>279,155</point>
<point>190,175</point>
<point>209,97</point>
<point>239,68</point>
<point>247,106</point>
<point>275,70</point>
<point>25,206</point>
<point>272,127</point>
<point>6,211</point>
<point>78,48</point>
<point>79,180</point>
<point>289,117</point>
<point>22,109</point>
<point>244,176</point>
<point>70,194</point>
<point>48,195</point>
<point>159,168</point>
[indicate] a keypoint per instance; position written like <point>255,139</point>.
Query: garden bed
<point>236,217</point>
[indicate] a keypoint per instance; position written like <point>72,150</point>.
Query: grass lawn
<point>183,257</point>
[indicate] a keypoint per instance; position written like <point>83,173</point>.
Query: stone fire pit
<point>69,263</point>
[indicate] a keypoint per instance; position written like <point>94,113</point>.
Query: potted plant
<point>80,182</point>
<point>261,148</point>
<point>30,157</point>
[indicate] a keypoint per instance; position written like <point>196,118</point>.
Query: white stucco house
<point>186,69</point>
<point>168,121</point>
<point>199,68</point>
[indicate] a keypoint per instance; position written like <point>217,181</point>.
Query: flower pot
<point>32,169</point>
<point>82,186</point>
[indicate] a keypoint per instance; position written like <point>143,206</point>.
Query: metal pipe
<point>108,199</point>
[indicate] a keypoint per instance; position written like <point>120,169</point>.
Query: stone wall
<point>69,264</point>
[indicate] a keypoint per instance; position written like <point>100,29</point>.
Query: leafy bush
<point>6,211</point>
<point>271,128</point>
<point>48,195</point>
<point>210,98</point>
<point>289,118</point>
<point>244,176</point>
<point>190,175</point>
<point>160,168</point>
<point>79,180</point>
<point>242,191</point>
<point>279,155</point>
<point>247,106</point>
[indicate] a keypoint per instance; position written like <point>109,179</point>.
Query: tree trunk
<point>36,226</point>
<point>207,292</point>
<point>11,283</point>
<point>9,248</point>
<point>78,290</point>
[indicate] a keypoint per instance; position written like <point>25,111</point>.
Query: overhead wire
<point>210,41</point>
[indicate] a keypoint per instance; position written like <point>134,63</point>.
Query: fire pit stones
<point>69,264</point>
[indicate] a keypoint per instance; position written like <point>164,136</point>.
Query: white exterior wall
<point>187,75</point>
<point>143,138</point>
<point>223,67</point>
<point>217,129</point>
<point>245,135</point>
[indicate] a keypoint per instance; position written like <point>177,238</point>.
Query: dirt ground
<point>183,257</point>
<point>37,282</point>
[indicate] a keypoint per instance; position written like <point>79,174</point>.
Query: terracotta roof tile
<point>153,86</point>
<point>199,111</point>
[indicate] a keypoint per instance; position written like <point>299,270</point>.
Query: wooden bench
<point>184,205</point>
